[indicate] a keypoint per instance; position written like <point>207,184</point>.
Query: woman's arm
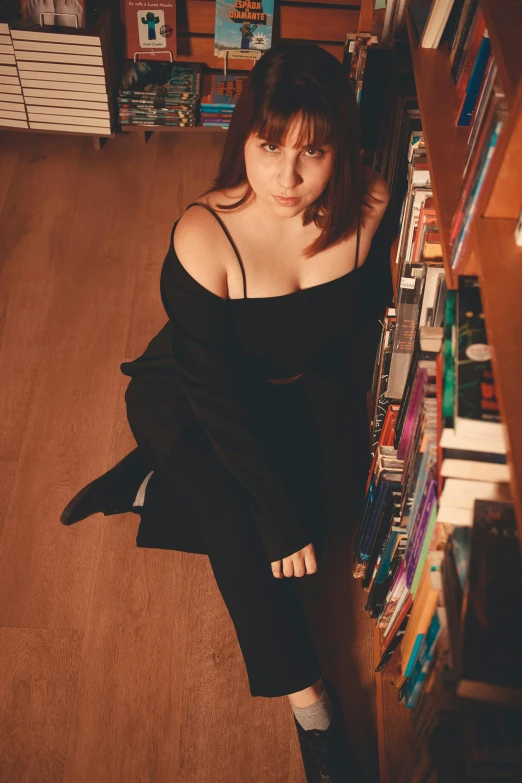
<point>375,198</point>
<point>193,294</point>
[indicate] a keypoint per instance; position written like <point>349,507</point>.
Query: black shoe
<point>111,493</point>
<point>325,753</point>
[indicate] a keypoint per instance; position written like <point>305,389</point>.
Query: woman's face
<point>287,179</point>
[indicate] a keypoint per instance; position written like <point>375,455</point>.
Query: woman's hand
<point>298,564</point>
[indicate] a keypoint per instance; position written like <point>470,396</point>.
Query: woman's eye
<point>313,153</point>
<point>269,147</point>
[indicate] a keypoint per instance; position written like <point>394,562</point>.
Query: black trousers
<point>268,614</point>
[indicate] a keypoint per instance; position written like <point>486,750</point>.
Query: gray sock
<point>139,500</point>
<point>317,716</point>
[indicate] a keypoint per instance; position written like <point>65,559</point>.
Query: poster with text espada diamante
<point>243,24</point>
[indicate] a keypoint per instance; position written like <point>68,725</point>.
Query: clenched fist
<point>298,564</point>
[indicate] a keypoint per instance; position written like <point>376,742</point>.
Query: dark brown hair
<point>301,80</point>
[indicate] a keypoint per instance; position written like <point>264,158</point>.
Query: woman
<point>247,413</point>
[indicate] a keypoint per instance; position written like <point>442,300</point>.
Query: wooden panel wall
<point>325,23</point>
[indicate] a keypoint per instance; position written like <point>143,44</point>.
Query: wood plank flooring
<point>120,665</point>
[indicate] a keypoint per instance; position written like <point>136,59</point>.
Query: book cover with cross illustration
<point>243,24</point>
<point>150,29</point>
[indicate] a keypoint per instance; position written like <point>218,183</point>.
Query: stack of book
<point>159,93</point>
<point>66,74</point>
<point>421,287</point>
<point>219,97</point>
<point>12,108</point>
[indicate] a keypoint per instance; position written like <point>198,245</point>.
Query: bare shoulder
<point>203,249</point>
<point>217,198</point>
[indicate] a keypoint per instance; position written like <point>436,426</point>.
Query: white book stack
<point>12,108</point>
<point>65,77</point>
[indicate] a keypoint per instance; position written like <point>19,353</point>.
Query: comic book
<point>243,25</point>
<point>150,29</point>
<point>179,82</point>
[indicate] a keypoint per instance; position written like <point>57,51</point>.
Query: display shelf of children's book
<point>57,79</point>
<point>174,96</point>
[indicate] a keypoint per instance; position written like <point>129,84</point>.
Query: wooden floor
<point>118,664</point>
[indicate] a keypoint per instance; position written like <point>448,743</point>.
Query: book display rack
<point>60,79</point>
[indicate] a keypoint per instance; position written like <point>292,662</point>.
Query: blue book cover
<point>384,488</point>
<point>475,82</point>
<point>421,664</point>
<point>388,552</point>
<point>471,202</point>
<point>243,25</point>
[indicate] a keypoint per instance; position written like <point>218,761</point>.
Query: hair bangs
<point>316,127</point>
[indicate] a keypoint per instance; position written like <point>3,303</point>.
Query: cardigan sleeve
<point>218,394</point>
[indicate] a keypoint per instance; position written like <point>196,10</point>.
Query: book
<point>411,286</point>
<point>470,96</point>
<point>459,49</point>
<point>243,26</point>
<point>459,29</point>
<point>422,663</point>
<point>491,616</point>
<point>476,405</point>
<point>458,496</point>
<point>168,81</point>
<point>150,29</point>
<point>429,18</point>
<point>220,91</point>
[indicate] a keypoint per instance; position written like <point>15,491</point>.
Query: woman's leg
<point>267,613</point>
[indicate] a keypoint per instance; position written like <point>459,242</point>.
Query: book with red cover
<point>222,91</point>
<point>150,29</point>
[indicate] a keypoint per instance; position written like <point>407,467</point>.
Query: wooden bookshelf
<point>445,143</point>
<point>500,275</point>
<point>491,252</point>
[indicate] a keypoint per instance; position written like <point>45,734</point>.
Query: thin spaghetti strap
<point>358,240</point>
<point>227,234</point>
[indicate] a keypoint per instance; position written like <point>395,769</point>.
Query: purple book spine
<point>419,533</point>
<point>412,414</point>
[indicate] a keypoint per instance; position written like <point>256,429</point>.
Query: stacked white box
<point>65,77</point>
<point>12,108</point>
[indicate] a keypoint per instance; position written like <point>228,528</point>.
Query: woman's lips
<point>287,202</point>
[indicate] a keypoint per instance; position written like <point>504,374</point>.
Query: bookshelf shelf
<point>492,253</point>
<point>170,129</point>
<point>445,143</point>
<point>500,274</point>
<point>504,24</point>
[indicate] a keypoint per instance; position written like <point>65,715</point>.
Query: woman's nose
<point>288,175</point>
